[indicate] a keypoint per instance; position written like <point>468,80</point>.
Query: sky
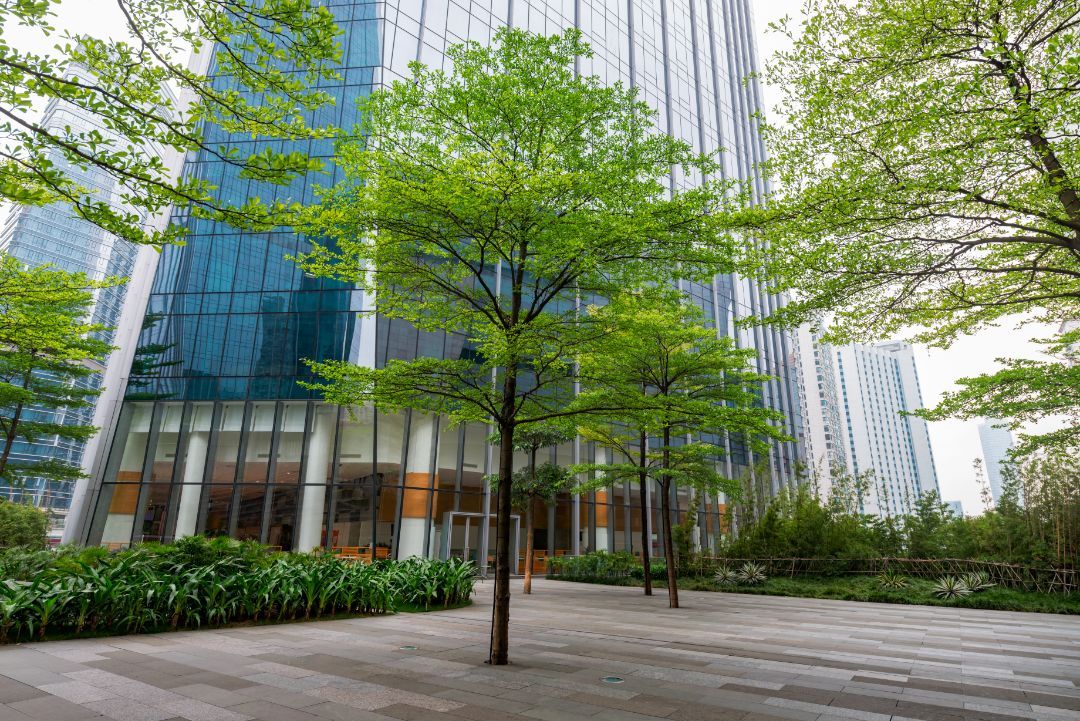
<point>955,443</point>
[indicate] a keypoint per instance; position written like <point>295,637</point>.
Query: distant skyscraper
<point>878,385</point>
<point>52,234</point>
<point>826,430</point>
<point>957,507</point>
<point>996,444</point>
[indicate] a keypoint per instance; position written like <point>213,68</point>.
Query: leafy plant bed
<point>867,588</point>
<point>195,583</point>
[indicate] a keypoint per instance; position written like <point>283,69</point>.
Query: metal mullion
<point>179,467</point>
<point>406,436</point>
<point>309,418</point>
<point>208,468</point>
<point>436,437</point>
<point>241,456</point>
<point>376,484</point>
<point>147,469</point>
<point>271,469</point>
<point>335,462</point>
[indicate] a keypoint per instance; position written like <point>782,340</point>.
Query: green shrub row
<point>195,583</point>
<point>602,567</point>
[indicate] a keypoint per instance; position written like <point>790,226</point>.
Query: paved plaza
<point>721,657</point>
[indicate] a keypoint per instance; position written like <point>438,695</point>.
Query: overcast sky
<point>955,443</point>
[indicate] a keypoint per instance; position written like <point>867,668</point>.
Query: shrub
<point>599,565</point>
<point>950,587</point>
<point>892,580</point>
<point>22,525</point>
<point>752,574</point>
<point>978,581</point>
<point>725,576</point>
<point>198,583</point>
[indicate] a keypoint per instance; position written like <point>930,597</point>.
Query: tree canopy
<point>672,379</point>
<point>928,161</point>
<point>490,201</point>
<point>45,343</point>
<point>264,82</point>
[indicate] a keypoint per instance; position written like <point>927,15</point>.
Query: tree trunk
<point>9,439</point>
<point>665,505</point>
<point>500,622</point>
<point>643,497</point>
<point>527,588</point>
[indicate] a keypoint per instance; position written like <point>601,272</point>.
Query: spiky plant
<point>892,580</point>
<point>752,574</point>
<point>978,581</point>
<point>726,576</point>
<point>951,587</point>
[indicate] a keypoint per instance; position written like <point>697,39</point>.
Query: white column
<point>320,447</point>
<point>417,477</point>
<point>602,514</point>
<point>191,491</point>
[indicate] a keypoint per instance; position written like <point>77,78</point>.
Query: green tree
<point>22,524</point>
<point>273,53</point>
<point>487,200</point>
<point>674,379</point>
<point>45,343</point>
<point>929,167</point>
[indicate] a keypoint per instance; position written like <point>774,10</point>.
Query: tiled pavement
<point>720,657</point>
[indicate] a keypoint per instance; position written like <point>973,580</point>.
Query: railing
<point>1027,578</point>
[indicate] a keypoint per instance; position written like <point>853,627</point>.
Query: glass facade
<point>220,439</point>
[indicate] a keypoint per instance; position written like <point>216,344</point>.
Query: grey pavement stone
<point>722,657</point>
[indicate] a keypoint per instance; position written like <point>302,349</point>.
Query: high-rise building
<point>826,429</point>
<point>996,442</point>
<point>957,508</point>
<point>879,385</point>
<point>53,234</point>
<point>217,437</point>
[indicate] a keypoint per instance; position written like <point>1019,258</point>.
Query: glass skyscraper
<point>217,437</point>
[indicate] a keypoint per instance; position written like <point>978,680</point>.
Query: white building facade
<point>996,441</point>
<point>879,385</point>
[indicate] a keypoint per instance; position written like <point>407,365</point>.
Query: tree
<point>270,56</point>
<point>674,379</point>
<point>627,439</point>
<point>22,524</point>
<point>1025,390</point>
<point>503,191</point>
<point>929,166</point>
<point>532,483</point>
<point>45,343</point>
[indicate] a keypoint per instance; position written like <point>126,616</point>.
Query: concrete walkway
<point>720,657</point>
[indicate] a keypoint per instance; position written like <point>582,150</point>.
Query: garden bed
<point>863,588</point>
<point>195,583</point>
<point>623,569</point>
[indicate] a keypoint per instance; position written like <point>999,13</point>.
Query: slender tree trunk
<point>9,439</point>
<point>643,496</point>
<point>527,587</point>
<point>665,505</point>
<point>500,624</point>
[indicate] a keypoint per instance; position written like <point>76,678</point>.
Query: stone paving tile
<point>720,658</point>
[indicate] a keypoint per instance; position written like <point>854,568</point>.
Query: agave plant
<point>725,576</point>
<point>951,587</point>
<point>752,573</point>
<point>978,581</point>
<point>892,580</point>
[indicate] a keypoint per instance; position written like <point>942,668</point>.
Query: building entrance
<point>472,536</point>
